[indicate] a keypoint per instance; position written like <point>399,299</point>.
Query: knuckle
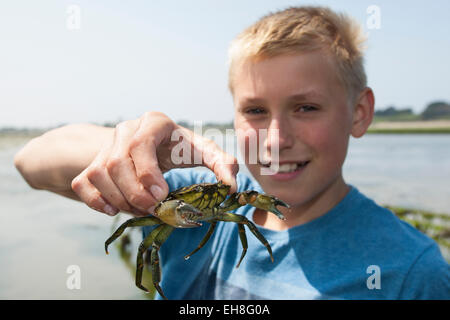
<point>94,173</point>
<point>135,142</point>
<point>145,175</point>
<point>95,202</point>
<point>137,199</point>
<point>113,163</point>
<point>77,183</point>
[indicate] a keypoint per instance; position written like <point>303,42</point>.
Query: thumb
<point>227,174</point>
<point>224,165</point>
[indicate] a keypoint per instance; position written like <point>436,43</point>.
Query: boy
<point>299,73</point>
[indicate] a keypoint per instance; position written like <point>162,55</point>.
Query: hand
<point>127,173</point>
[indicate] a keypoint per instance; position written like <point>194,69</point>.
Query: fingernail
<point>151,210</point>
<point>110,210</point>
<point>157,192</point>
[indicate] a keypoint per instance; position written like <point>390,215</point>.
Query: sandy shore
<point>432,124</point>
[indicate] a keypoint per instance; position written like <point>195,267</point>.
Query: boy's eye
<point>305,108</point>
<point>254,110</point>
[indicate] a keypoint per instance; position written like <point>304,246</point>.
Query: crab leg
<point>204,240</point>
<point>160,238</point>
<point>255,199</point>
<point>135,222</point>
<point>233,217</point>
<point>243,238</point>
<point>145,244</point>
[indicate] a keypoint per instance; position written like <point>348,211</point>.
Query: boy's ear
<point>363,112</point>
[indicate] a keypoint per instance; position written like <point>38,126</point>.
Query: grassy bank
<point>408,130</point>
<point>410,127</point>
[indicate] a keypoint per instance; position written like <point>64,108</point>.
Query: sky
<point>110,60</point>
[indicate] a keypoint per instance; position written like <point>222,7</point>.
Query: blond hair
<point>304,29</point>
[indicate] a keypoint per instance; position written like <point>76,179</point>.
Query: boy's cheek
<point>332,146</point>
<point>327,141</point>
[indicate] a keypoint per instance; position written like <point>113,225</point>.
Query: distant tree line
<point>433,111</point>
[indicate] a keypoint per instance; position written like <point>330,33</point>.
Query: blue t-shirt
<point>357,250</point>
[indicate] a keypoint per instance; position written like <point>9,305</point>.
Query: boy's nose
<point>280,135</point>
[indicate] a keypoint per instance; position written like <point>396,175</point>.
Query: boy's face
<point>301,96</point>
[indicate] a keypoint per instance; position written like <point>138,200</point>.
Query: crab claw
<point>179,214</point>
<point>265,202</point>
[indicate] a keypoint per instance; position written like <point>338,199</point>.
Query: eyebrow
<point>302,96</point>
<point>306,95</point>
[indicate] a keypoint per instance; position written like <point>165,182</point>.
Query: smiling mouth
<point>285,167</point>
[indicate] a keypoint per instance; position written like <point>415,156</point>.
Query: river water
<point>42,235</point>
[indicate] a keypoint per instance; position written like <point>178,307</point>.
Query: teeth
<point>287,167</point>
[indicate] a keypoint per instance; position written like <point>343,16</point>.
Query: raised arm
<point>52,160</point>
<point>119,169</point>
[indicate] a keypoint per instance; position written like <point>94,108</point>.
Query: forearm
<point>51,161</point>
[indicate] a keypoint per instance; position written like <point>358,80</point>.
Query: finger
<point>91,196</point>
<point>100,179</point>
<point>98,176</point>
<point>224,165</point>
<point>122,170</point>
<point>154,130</point>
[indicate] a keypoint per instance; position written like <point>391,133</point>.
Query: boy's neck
<point>313,209</point>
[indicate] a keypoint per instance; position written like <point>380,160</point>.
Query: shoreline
<point>413,127</point>
<point>439,126</point>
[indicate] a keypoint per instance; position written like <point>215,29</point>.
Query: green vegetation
<point>435,225</point>
<point>433,120</point>
<point>438,110</point>
<point>393,114</point>
<point>442,130</point>
<point>395,117</point>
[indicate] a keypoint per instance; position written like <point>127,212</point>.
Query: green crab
<point>186,208</point>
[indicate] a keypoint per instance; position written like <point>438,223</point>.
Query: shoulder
<point>405,255</point>
<point>384,227</point>
<point>428,277</point>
